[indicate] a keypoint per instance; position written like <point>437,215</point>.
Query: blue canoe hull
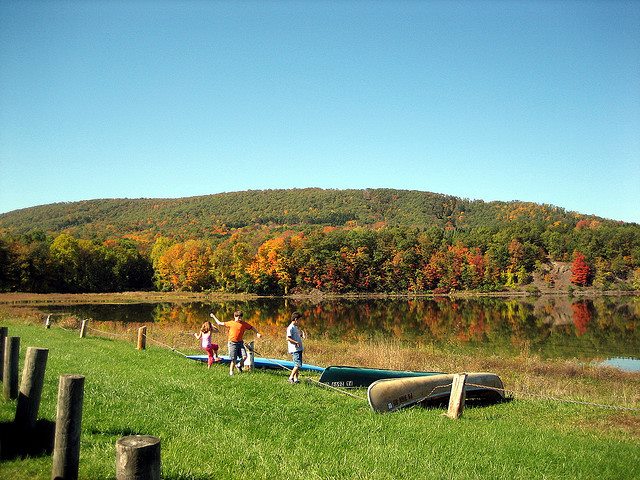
<point>263,362</point>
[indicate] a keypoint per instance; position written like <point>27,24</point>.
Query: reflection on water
<point>550,326</point>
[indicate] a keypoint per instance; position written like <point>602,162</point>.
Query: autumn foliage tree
<point>187,266</point>
<point>274,261</point>
<point>580,270</point>
<point>231,260</point>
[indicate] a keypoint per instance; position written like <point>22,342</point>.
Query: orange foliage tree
<point>187,266</point>
<point>274,261</point>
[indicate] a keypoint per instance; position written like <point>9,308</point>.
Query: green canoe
<point>354,377</point>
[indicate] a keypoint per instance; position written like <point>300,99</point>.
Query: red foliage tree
<point>580,270</point>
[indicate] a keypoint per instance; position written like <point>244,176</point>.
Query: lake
<point>589,329</point>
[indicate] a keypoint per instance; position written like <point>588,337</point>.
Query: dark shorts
<point>235,350</point>
<point>297,358</point>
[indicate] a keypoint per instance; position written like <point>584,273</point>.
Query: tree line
<point>344,259</point>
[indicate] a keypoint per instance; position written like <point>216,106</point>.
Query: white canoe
<point>394,393</point>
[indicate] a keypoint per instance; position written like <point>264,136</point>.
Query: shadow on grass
<point>481,399</point>
<point>116,432</point>
<point>185,477</point>
<point>19,444</point>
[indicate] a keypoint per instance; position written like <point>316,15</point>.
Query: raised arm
<point>218,322</point>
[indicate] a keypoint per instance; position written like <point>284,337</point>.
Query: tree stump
<point>10,371</point>
<point>138,458</point>
<point>83,328</point>
<point>142,338</point>
<point>4,331</point>
<point>30,393</point>
<point>250,355</point>
<point>66,447</point>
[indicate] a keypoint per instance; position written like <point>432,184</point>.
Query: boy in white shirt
<point>294,346</point>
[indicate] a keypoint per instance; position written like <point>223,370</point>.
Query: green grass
<point>258,426</point>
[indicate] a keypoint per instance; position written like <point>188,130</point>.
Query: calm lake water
<point>597,329</point>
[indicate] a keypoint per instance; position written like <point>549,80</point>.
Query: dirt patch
<point>626,425</point>
<point>553,277</point>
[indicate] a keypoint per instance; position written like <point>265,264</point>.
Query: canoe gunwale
<point>347,376</point>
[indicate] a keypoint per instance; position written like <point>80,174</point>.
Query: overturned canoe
<point>263,362</point>
<point>353,377</point>
<point>392,394</point>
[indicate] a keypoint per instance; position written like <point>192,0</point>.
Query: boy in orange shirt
<point>236,327</point>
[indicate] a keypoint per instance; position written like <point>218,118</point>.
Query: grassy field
<point>259,426</point>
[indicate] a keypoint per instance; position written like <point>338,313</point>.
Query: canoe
<point>263,362</point>
<point>392,394</point>
<point>354,377</point>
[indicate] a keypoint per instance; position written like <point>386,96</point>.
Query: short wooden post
<point>28,405</point>
<point>138,458</point>
<point>142,338</point>
<point>83,328</point>
<point>10,371</point>
<point>457,397</point>
<point>251,354</point>
<point>47,322</point>
<point>4,331</point>
<point>66,446</point>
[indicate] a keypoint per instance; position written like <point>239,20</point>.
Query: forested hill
<point>283,241</point>
<point>215,215</point>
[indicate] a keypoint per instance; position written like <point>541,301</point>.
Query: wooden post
<point>251,354</point>
<point>10,371</point>
<point>83,328</point>
<point>457,397</point>
<point>4,331</point>
<point>28,405</point>
<point>138,458</point>
<point>66,446</point>
<point>142,338</point>
<point>47,322</point>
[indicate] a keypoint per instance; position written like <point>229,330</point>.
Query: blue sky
<point>493,100</point>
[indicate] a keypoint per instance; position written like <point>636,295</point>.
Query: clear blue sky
<point>497,100</point>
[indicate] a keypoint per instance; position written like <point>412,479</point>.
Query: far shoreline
<point>13,298</point>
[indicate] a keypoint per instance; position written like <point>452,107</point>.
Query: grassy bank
<point>258,426</point>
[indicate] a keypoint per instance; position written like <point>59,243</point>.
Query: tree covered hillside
<point>282,241</point>
<point>211,215</point>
